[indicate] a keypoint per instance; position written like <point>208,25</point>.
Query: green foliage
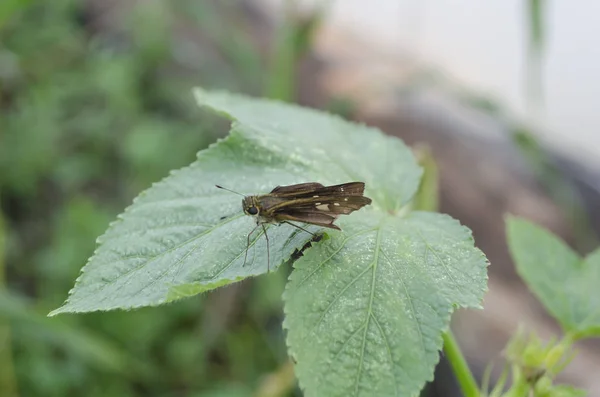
<point>172,241</point>
<point>535,364</point>
<point>89,117</point>
<point>458,362</point>
<point>8,382</point>
<point>565,283</point>
<point>558,186</point>
<point>365,310</point>
<point>294,39</point>
<point>534,357</point>
<point>427,197</point>
<point>9,7</point>
<point>88,348</point>
<point>362,306</point>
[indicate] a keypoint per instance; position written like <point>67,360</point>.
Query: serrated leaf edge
<point>468,237</point>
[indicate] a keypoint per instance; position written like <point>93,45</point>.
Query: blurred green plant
<point>92,112</point>
<point>545,167</point>
<point>535,21</point>
<point>8,383</point>
<point>559,187</point>
<point>9,8</point>
<point>428,195</point>
<point>293,41</point>
<point>566,285</point>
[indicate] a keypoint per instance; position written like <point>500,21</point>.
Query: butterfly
<point>310,203</point>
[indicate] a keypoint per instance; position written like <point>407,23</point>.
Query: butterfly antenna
<point>229,190</point>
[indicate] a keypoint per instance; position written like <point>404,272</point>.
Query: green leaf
<point>330,148</point>
<point>566,284</point>
<point>172,241</point>
<point>387,284</point>
<point>365,309</point>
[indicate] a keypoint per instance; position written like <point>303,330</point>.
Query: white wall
<point>483,44</point>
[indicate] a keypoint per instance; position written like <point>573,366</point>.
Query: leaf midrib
<point>161,254</point>
<point>369,310</point>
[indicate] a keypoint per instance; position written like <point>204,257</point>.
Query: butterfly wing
<point>338,199</point>
<point>311,217</point>
<point>304,190</point>
<point>299,190</point>
<point>340,205</point>
<point>314,203</point>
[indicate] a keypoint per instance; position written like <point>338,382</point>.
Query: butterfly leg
<point>301,228</point>
<point>248,244</point>
<point>268,250</point>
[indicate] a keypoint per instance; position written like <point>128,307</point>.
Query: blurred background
<point>95,105</point>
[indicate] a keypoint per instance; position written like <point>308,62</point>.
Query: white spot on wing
<point>338,204</point>
<point>346,199</point>
<point>323,207</point>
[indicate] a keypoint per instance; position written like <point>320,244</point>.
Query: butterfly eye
<point>253,210</point>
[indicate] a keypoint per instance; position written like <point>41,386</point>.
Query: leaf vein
<point>159,255</point>
<point>161,275</point>
<point>252,244</point>
<point>369,310</point>
<point>389,350</point>
<point>342,245</point>
<point>346,343</point>
<point>410,302</point>
<point>436,255</point>
<point>117,236</point>
<point>339,295</point>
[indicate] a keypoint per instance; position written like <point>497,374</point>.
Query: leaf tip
<point>56,312</point>
<point>199,94</point>
<point>510,218</point>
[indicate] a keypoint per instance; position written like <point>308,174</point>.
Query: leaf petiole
<point>459,365</point>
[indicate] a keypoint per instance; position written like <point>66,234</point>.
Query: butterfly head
<point>251,206</point>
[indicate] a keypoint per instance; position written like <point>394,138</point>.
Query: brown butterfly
<point>310,203</point>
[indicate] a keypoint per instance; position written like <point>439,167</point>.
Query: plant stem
<point>278,383</point>
<point>281,82</point>
<point>461,370</point>
<point>294,40</point>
